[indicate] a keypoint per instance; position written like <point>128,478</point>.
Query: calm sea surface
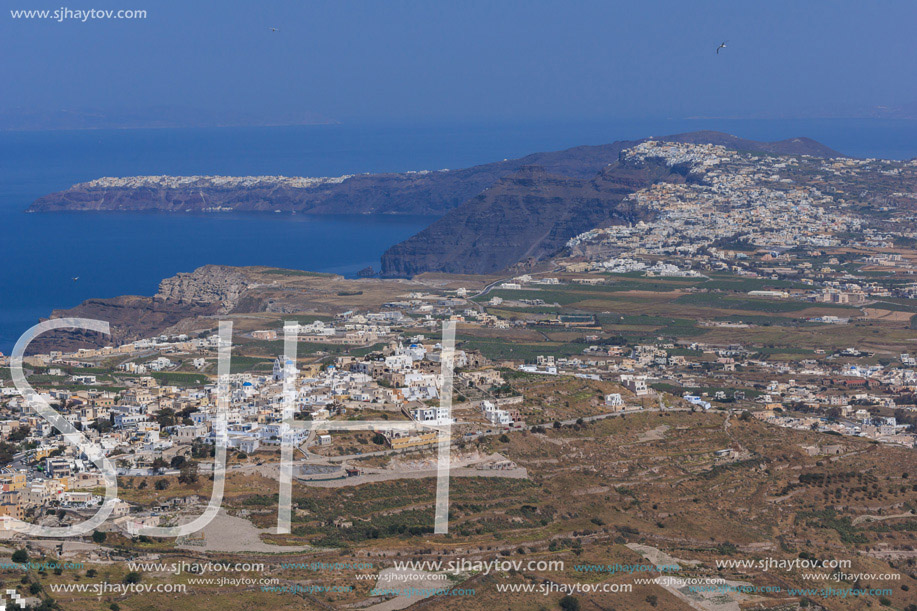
<point>115,254</point>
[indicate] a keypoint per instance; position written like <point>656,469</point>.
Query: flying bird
<point>722,46</point>
<point>75,278</point>
<point>274,30</point>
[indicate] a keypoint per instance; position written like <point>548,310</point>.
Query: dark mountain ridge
<point>790,146</point>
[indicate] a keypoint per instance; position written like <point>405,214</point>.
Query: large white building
<point>433,415</point>
<point>495,415</point>
<point>614,400</point>
<point>634,383</point>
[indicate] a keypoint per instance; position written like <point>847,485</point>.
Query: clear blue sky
<point>433,60</point>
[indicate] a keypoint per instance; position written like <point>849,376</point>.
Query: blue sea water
<point>115,254</point>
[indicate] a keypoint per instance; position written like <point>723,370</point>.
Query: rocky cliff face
<point>531,214</point>
<point>211,285</point>
<point>527,216</point>
<point>130,317</point>
<point>207,291</point>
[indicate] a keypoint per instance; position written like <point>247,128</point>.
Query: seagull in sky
<point>722,46</point>
<point>75,278</point>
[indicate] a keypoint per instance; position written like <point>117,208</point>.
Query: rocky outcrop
<point>211,285</point>
<point>130,317</point>
<point>207,291</point>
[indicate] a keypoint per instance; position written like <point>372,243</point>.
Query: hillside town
<point>734,204</point>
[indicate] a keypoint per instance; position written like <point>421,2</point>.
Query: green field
<point>297,272</point>
<point>504,349</point>
<point>724,302</point>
